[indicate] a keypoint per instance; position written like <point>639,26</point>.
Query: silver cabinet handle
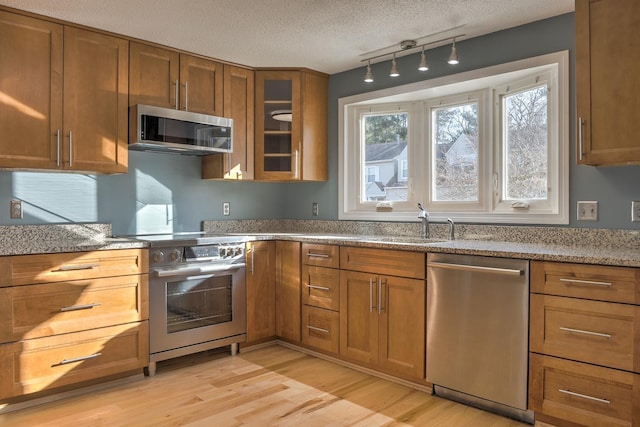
<point>315,255</point>
<point>177,95</point>
<point>253,255</point>
<point>72,267</point>
<point>297,165</point>
<point>476,268</point>
<point>370,294</point>
<point>70,149</point>
<point>379,295</point>
<point>313,328</point>
<point>580,137</point>
<point>186,96</point>
<point>77,359</point>
<point>322,288</point>
<point>80,307</point>
<point>580,331</point>
<point>584,396</point>
<point>58,147</point>
<point>585,282</point>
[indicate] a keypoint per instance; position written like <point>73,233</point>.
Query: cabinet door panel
<point>608,80</point>
<point>261,281</point>
<point>320,328</point>
<point>238,105</point>
<point>153,76</point>
<point>288,290</point>
<point>96,76</point>
<point>30,92</point>
<point>321,287</point>
<point>359,316</point>
<point>201,85</point>
<point>402,326</point>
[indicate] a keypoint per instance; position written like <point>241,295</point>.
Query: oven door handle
<point>199,270</point>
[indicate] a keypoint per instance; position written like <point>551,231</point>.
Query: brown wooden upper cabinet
<point>607,81</point>
<point>239,89</point>
<point>291,125</point>
<point>63,97</point>
<point>170,79</point>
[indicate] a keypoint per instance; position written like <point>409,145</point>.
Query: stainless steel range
<point>197,294</point>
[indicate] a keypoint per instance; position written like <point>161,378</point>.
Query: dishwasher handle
<point>476,268</point>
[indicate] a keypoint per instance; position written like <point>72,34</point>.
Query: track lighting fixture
<point>423,62</point>
<point>453,58</point>
<point>394,67</point>
<point>368,76</point>
<point>408,45</point>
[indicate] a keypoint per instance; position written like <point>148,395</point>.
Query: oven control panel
<point>227,252</point>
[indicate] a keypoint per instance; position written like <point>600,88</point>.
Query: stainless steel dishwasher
<point>478,331</point>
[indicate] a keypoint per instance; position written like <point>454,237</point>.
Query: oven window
<point>198,302</point>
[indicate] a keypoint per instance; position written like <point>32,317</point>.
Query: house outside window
<point>487,145</point>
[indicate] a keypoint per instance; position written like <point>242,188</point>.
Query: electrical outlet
<point>314,209</point>
<point>226,208</point>
<point>588,211</point>
<point>16,209</point>
<point>635,211</point>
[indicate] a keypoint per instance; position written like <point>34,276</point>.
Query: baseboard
<point>426,387</point>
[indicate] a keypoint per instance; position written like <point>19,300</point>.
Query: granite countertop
<point>620,248</point>
<point>584,254</point>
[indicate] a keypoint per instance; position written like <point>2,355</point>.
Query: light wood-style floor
<point>272,386</point>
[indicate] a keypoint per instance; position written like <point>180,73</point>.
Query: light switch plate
<point>587,211</point>
<point>635,211</point>
<point>16,209</point>
<point>226,208</point>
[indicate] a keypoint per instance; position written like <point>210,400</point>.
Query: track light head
<point>423,62</point>
<point>453,58</point>
<point>368,76</point>
<point>394,67</point>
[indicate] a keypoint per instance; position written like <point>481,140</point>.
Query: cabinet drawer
<point>320,328</point>
<point>383,261</point>
<point>40,364</point>
<point>597,282</point>
<point>320,255</point>
<point>31,269</point>
<point>584,394</point>
<point>321,287</point>
<point>39,310</point>
<point>589,331</point>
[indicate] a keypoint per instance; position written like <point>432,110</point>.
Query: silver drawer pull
<point>78,359</point>
<point>311,254</point>
<point>580,331</point>
<point>584,396</point>
<point>78,267</point>
<point>585,282</point>
<point>313,328</point>
<point>80,307</point>
<point>322,288</point>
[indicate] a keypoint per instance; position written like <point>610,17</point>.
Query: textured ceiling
<point>325,35</point>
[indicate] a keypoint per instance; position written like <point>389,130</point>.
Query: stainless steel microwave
<point>175,131</point>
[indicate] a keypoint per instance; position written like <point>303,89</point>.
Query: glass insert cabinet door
<point>278,124</point>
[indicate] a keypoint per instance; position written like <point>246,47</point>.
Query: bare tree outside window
<point>456,152</point>
<point>525,118</point>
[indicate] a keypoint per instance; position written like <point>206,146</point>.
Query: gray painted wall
<point>165,193</point>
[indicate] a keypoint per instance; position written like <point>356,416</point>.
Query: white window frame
<point>403,164</point>
<point>421,95</point>
<point>376,174</point>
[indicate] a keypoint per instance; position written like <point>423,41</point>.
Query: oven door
<point>191,306</point>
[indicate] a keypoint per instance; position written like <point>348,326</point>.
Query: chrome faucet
<point>452,224</point>
<point>424,216</point>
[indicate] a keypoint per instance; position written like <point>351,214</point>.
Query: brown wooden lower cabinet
<point>261,291</point>
<point>382,322</point>
<point>40,364</point>
<point>288,290</point>
<point>565,392</point>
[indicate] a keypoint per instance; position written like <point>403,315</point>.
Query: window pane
<point>455,149</point>
<point>525,115</point>
<point>384,145</point>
